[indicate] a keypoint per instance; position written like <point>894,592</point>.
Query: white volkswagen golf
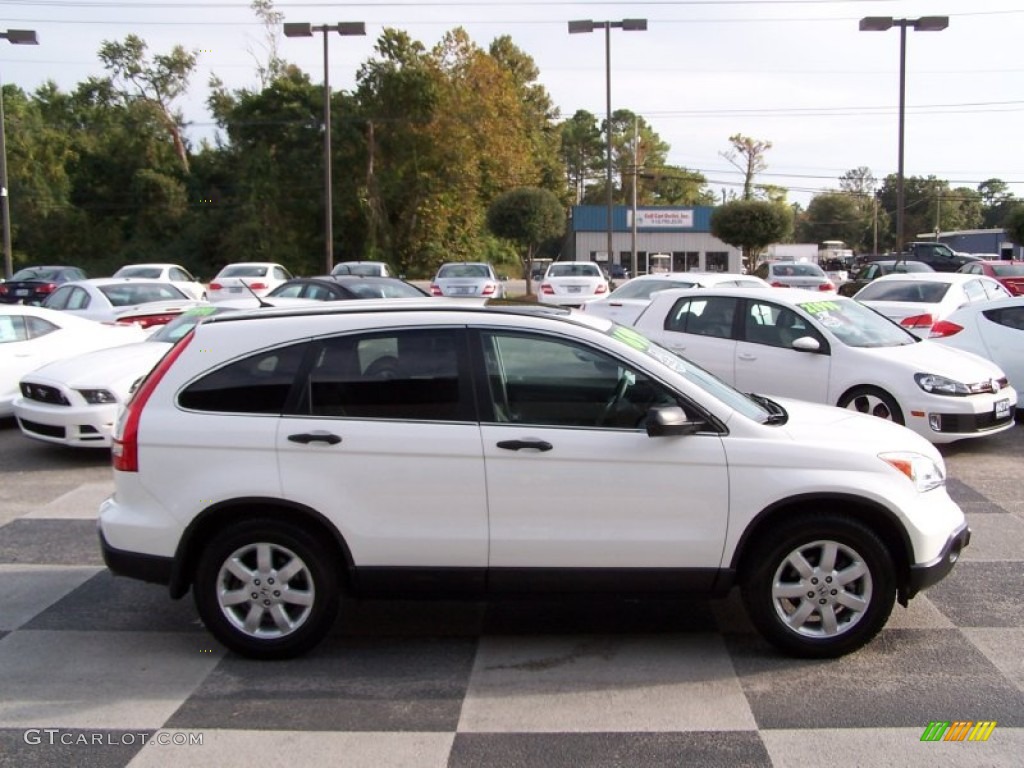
<point>272,461</point>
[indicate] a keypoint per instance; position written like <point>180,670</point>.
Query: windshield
<point>1008,270</point>
<point>464,270</point>
<point>152,273</point>
<point>36,273</point>
<point>126,294</point>
<point>642,289</point>
<point>692,372</point>
<point>856,325</point>
<point>378,289</point>
<point>914,291</point>
<point>365,269</point>
<point>184,323</point>
<point>797,270</point>
<point>574,270</point>
<point>242,270</point>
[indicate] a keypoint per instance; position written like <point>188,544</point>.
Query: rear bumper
<point>151,568</point>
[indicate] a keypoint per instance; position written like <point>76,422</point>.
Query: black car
<point>33,284</point>
<point>874,269</point>
<point>336,287</point>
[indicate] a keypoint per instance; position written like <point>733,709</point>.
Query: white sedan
<point>148,303</point>
<point>172,273</point>
<point>832,349</point>
<point>570,283</point>
<point>630,299</point>
<point>34,336</point>
<point>246,279</point>
<point>993,330</point>
<point>918,300</point>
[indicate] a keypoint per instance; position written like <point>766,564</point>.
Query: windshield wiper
<point>776,413</point>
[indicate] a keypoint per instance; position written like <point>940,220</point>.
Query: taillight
<point>149,320</point>
<point>602,288</point>
<point>944,328</point>
<point>3,289</point>
<point>826,287</point>
<point>918,321</point>
<point>547,289</point>
<point>46,288</point>
<point>124,449</point>
<point>435,290</point>
<point>259,286</point>
<point>215,286</point>
<point>488,289</point>
<point>779,285</point>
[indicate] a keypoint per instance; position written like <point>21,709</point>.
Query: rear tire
<point>819,586</point>
<point>266,589</point>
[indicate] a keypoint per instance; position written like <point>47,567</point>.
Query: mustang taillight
<point>944,328</point>
<point>124,448</point>
<point>918,321</point>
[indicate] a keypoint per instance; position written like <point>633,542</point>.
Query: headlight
<point>940,385</point>
<point>97,396</point>
<point>922,471</point>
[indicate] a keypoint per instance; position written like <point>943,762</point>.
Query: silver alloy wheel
<point>265,590</point>
<point>822,589</point>
<point>871,404</point>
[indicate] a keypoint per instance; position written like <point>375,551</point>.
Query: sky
<point>796,73</point>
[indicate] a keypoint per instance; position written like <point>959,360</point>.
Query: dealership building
<point>678,238</point>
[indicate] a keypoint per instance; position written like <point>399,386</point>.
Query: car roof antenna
<point>263,304</point>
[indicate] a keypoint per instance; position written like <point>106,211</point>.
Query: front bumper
<point>923,575</point>
<point>87,426</point>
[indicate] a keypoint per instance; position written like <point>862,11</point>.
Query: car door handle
<point>315,437</point>
<point>518,445</point>
<point>746,356</point>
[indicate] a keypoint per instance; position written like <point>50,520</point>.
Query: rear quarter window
<point>259,383</point>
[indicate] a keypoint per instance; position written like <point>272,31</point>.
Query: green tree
<point>1014,224</point>
<point>751,225</point>
<point>582,151</point>
<point>996,200</point>
<point>156,83</point>
<point>835,216</point>
<point>528,216</point>
<point>748,156</point>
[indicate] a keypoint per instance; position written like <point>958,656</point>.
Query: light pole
<point>883,24</point>
<point>15,37</point>
<point>627,25</point>
<point>302,29</point>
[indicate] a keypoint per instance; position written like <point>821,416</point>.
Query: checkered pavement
<point>104,671</point>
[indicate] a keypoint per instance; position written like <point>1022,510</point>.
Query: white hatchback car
<point>172,273</point>
<point>570,283</point>
<point>626,302</point>
<point>918,300</point>
<point>990,329</point>
<point>832,349</point>
<point>245,279</point>
<point>381,448</point>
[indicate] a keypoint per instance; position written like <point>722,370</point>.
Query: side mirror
<point>806,344</point>
<point>669,421</point>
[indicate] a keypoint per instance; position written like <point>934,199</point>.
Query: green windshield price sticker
<point>631,337</point>
<point>201,311</point>
<point>819,307</point>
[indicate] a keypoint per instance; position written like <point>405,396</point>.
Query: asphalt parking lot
<point>104,671</point>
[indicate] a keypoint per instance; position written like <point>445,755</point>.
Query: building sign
<point>665,218</point>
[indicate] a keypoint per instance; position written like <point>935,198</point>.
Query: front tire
<point>874,402</point>
<point>819,586</point>
<point>266,590</point>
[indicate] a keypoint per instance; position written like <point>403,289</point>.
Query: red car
<point>1009,273</point>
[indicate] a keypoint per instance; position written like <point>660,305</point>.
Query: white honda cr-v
<point>274,460</point>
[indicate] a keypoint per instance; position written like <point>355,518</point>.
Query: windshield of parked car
<point>383,289</point>
<point>642,289</point>
<point>185,322</point>
<point>856,325</point>
<point>36,273</point>
<point>151,273</point>
<point>127,294</point>
<point>240,270</point>
<point>1008,270</point>
<point>693,373</point>
<point>574,270</point>
<point>797,270</point>
<point>464,270</point>
<point>366,269</point>
<point>915,291</point>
